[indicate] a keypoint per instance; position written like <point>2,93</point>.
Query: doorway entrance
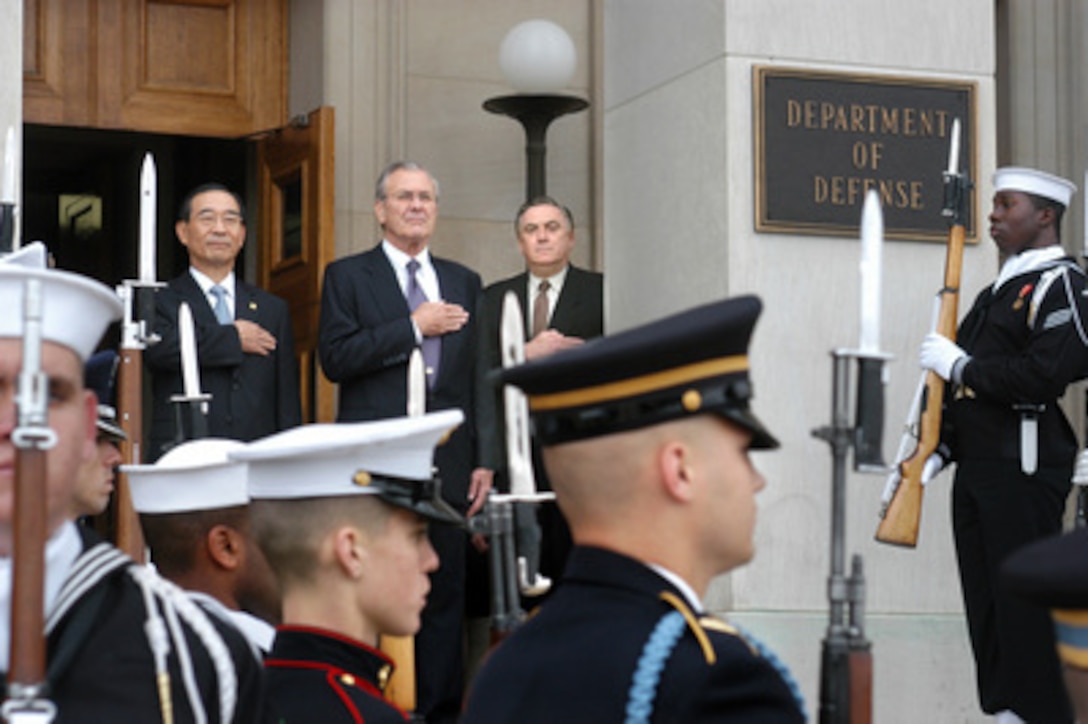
<point>81,194</point>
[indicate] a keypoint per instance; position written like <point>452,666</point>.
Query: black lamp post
<point>538,59</point>
<point>535,113</point>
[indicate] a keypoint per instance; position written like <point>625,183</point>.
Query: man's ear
<point>676,471</point>
<point>349,550</point>
<point>181,230</point>
<point>1047,216</point>
<point>225,547</point>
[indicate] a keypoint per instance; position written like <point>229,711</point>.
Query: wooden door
<point>296,197</point>
<point>184,67</point>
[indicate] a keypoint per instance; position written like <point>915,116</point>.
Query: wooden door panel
<point>296,197</point>
<point>186,67</point>
<point>57,68</point>
<point>194,67</point>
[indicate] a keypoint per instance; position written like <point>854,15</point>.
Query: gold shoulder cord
<point>693,623</point>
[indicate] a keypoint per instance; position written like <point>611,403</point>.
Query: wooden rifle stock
<point>900,522</point>
<point>401,689</point>
<point>860,666</point>
<point>128,536</point>
<point>28,570</point>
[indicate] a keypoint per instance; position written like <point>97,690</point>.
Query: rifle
<point>509,520</point>
<point>846,659</point>
<point>901,510</point>
<point>138,297</point>
<point>401,688</point>
<point>33,436</point>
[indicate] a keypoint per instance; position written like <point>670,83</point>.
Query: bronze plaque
<point>823,139</point>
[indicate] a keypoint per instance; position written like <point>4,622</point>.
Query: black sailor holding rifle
<point>1021,344</point>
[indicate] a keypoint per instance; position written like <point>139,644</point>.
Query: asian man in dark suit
<point>376,307</point>
<point>569,311</point>
<point>243,333</point>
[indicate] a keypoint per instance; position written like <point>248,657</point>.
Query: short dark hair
<point>1042,202</point>
<point>542,201</point>
<point>175,538</point>
<point>185,209</point>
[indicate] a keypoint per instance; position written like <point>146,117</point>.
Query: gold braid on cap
<point>639,385</point>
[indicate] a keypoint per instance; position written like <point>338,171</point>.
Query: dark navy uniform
<point>100,664</point>
<point>607,606</point>
<point>315,675</point>
<point>1014,450</point>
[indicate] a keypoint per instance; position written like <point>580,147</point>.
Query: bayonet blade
<point>417,384</point>
<point>518,453</point>
<point>190,369</point>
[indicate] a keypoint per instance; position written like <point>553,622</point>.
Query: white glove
<point>934,465</point>
<point>940,354</point>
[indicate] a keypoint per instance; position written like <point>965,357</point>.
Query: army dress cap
<point>75,309</point>
<point>100,375</point>
<point>690,363</point>
<point>1032,181</point>
<point>195,475</point>
<point>1053,573</point>
<point>392,459</point>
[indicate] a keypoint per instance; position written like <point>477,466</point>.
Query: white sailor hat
<point>392,459</point>
<point>1033,181</point>
<point>195,475</point>
<point>75,309</point>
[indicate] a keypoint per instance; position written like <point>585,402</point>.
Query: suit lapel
<point>382,281</point>
<point>189,291</point>
<point>570,298</point>
<point>245,302</point>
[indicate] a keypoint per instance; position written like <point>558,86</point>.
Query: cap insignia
<point>361,478</point>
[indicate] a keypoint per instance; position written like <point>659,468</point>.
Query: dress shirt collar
<point>426,275</point>
<point>681,585</point>
<point>555,282</point>
<point>205,283</point>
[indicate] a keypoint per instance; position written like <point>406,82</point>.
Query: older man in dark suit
<point>376,307</point>
<point>564,307</point>
<point>243,333</point>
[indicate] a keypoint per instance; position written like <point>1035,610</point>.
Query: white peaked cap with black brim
<point>392,459</point>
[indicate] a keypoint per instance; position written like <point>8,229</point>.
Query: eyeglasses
<point>230,219</point>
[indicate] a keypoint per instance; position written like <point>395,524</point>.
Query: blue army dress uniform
<point>619,640</point>
<point>317,674</point>
<point>1053,573</point>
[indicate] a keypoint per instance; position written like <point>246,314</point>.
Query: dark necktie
<point>222,311</point>
<point>541,308</point>
<point>431,346</point>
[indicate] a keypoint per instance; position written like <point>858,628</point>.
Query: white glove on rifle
<point>934,465</point>
<point>943,356</point>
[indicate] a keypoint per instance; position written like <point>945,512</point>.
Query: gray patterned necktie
<point>222,311</point>
<point>431,346</point>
